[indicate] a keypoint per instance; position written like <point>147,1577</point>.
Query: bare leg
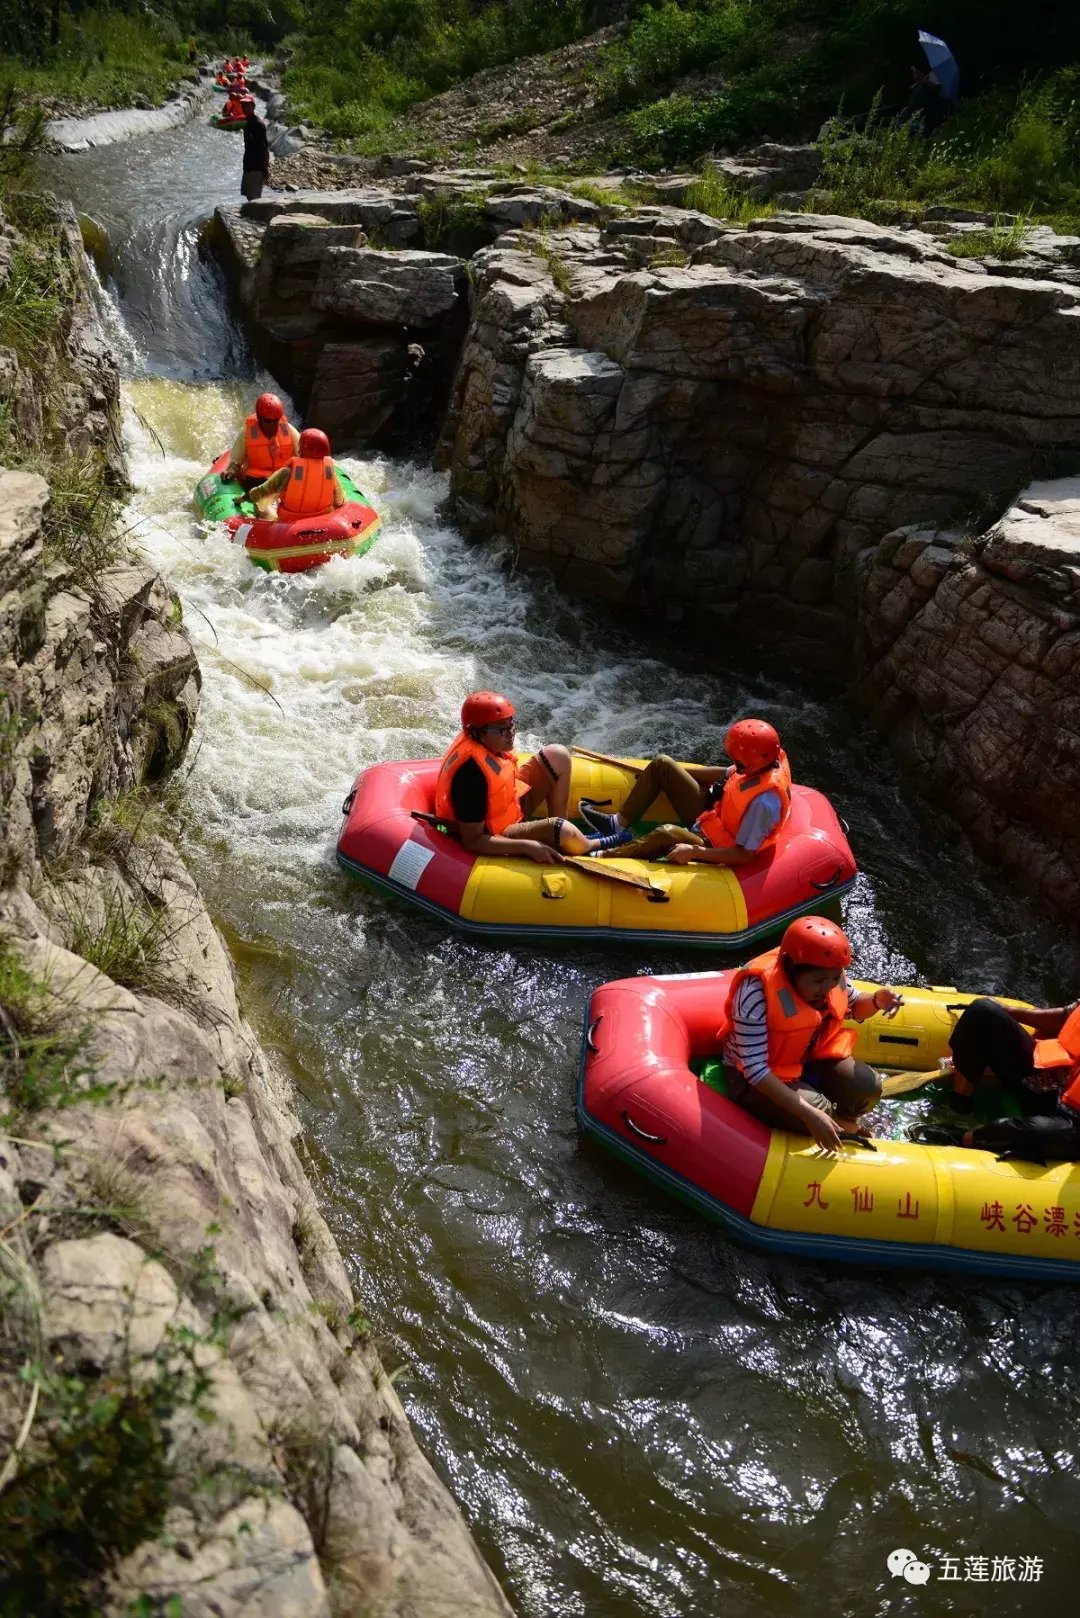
<point>852,1086</point>
<point>548,775</point>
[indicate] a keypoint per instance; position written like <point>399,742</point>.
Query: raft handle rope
<point>349,801</point>
<point>829,882</point>
<point>590,1031</point>
<point>643,1134</point>
<point>855,1140</point>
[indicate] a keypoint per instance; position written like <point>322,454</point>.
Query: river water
<point>638,1417</point>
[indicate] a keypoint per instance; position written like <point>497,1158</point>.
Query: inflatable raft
<point>221,122</point>
<point>383,843</point>
<point>641,1094</point>
<point>288,547</point>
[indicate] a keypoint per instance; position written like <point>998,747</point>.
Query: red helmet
<point>753,743</point>
<point>314,444</point>
<point>268,407</point>
<point>813,941</point>
<point>485,708</point>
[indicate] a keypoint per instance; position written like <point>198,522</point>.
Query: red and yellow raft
<point>888,1202</point>
<point>287,547</point>
<point>380,842</point>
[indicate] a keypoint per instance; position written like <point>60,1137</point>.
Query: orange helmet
<point>314,444</point>
<point>813,941</point>
<point>753,743</point>
<point>268,407</point>
<point>485,708</point>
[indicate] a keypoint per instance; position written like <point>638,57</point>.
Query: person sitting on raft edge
<point>489,798</point>
<point>991,1043</point>
<point>734,812</point>
<point>266,442</point>
<point>307,486</point>
<point>787,1056</point>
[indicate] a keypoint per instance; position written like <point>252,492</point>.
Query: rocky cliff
<point>714,422</point>
<point>193,1417</point>
<point>357,299</point>
<point>968,658</point>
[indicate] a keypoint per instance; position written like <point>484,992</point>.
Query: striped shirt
<point>747,1045</point>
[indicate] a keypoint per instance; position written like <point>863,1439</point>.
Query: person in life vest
<point>306,486</point>
<point>237,102</point>
<point>488,797</point>
<point>265,443</point>
<point>730,814</point>
<point>991,1047</point>
<point>787,1055</point>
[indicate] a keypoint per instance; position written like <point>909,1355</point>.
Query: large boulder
<point>406,289</point>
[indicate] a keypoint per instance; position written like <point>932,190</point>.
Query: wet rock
<point>968,657</point>
<point>360,387</point>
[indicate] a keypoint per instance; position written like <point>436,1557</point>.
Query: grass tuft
<point>1005,241</point>
<point>713,195</point>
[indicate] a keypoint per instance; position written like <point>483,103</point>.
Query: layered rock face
<point>715,422</point>
<point>968,658</point>
<point>364,336</point>
<point>357,299</point>
<point>192,1413</point>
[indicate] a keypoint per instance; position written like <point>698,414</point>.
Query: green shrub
<point>92,1482</point>
<point>359,64</point>
<point>110,58</point>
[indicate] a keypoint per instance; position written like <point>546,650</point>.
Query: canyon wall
<point>193,1414</point>
<point>713,422</point>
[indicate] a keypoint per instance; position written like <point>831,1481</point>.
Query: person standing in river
<point>256,155</point>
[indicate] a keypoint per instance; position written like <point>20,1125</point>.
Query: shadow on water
<point>639,1417</point>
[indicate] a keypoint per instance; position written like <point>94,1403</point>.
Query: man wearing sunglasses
<point>489,797</point>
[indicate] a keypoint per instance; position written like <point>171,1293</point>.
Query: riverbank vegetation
<point>74,57</point>
<point>679,79</point>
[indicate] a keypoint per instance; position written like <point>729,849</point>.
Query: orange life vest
<point>505,783</point>
<point>720,825</point>
<point>310,489</point>
<point>792,1021</point>
<point>264,455</point>
<point>1064,1051</point>
<point>233,109</point>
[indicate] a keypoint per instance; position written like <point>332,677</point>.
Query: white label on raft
<point>410,863</point>
<point>240,534</point>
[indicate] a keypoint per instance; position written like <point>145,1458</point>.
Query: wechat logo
<point>906,1565</point>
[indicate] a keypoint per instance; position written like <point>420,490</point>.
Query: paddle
<point>609,873</point>
<point>605,758</point>
<point>594,868</point>
<point>902,1084</point>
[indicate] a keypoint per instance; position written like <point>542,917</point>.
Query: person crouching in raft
<point>991,1043</point>
<point>731,813</point>
<point>306,486</point>
<point>488,798</point>
<point>264,444</point>
<point>787,1056</point>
